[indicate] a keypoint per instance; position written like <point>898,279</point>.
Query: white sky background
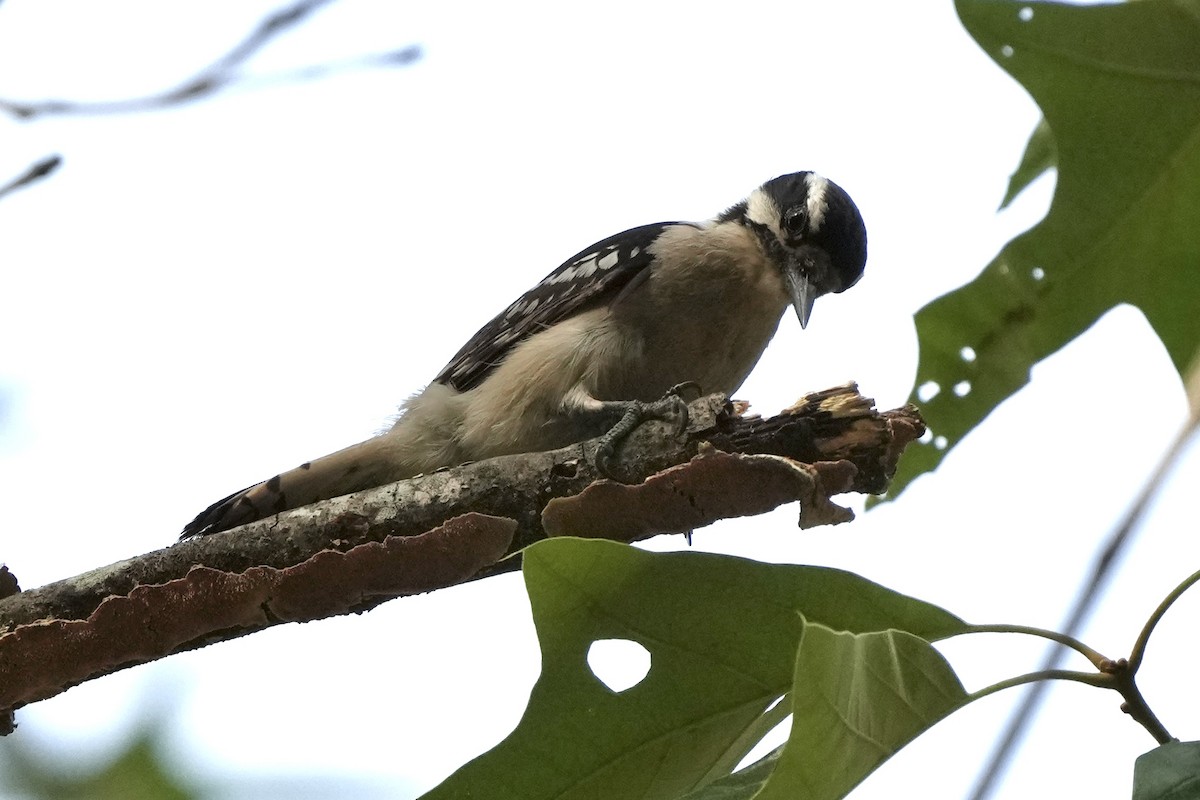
<point>204,296</point>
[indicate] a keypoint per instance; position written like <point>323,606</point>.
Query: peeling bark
<point>351,553</point>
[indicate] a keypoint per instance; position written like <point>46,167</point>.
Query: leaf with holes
<point>1120,89</point>
<point>722,633</point>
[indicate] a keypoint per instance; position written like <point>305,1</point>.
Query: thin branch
<point>35,173</point>
<point>1135,705</point>
<point>273,26</point>
<point>223,72</point>
<point>352,553</point>
<point>313,72</point>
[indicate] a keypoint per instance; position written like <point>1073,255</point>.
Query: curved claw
<point>604,455</point>
<point>678,389</point>
<point>670,404</point>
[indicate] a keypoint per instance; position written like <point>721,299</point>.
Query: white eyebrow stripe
<point>762,208</point>
<point>817,204</point>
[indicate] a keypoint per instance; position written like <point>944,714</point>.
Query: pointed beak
<point>804,294</point>
<point>803,291</point>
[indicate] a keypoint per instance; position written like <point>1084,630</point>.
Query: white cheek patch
<point>817,204</point>
<point>761,208</point>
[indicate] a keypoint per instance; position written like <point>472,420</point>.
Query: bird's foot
<point>670,406</point>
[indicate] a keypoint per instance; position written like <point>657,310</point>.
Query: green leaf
<point>1169,772</point>
<point>858,698</point>
<point>722,633</point>
<point>137,771</point>
<point>1040,155</point>
<point>1120,87</point>
<point>741,785</point>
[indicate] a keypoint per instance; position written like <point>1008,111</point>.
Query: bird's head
<point>813,230</point>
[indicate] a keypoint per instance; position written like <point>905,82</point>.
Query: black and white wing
<point>584,281</point>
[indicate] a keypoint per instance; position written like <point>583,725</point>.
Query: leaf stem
<point>1115,675</point>
<point>1097,659</point>
<point>1098,679</point>
<point>1139,647</point>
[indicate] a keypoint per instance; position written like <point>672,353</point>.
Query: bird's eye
<point>795,221</point>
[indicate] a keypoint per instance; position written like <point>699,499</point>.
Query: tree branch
<point>35,173</point>
<point>223,72</point>
<point>349,554</point>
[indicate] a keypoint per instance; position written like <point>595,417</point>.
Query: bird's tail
<point>361,466</point>
<point>424,438</point>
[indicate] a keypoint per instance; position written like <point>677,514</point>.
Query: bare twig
<point>1125,682</point>
<point>222,73</point>
<point>36,172</point>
